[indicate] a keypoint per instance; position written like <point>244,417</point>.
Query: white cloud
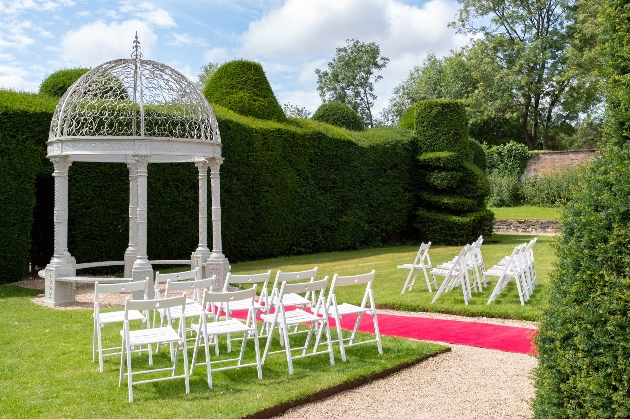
<point>184,69</point>
<point>13,8</point>
<point>83,14</point>
<point>185,39</point>
<point>14,35</point>
<point>218,55</point>
<point>14,77</point>
<point>148,12</point>
<point>98,42</point>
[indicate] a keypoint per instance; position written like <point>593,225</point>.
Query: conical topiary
<point>242,87</point>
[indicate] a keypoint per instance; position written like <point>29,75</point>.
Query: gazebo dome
<point>133,106</point>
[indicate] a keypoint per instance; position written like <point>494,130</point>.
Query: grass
<point>389,280</point>
<point>526,213</point>
<point>47,371</point>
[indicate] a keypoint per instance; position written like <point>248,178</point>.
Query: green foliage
<point>583,346</point>
<point>351,76</point>
<point>205,73</point>
<point>510,158</point>
<point>479,154</point>
<point>451,188</point>
<point>494,129</point>
<point>552,190</point>
<point>295,111</point>
<point>408,118</point>
<point>507,190</point>
<point>338,114</point>
<point>242,87</point>
<point>24,123</point>
<point>58,82</point>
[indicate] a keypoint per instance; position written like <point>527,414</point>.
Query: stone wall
<point>550,162</point>
<point>542,227</point>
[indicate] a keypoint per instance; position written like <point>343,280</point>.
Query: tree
<point>538,64</point>
<point>205,73</point>
<point>351,76</point>
<point>295,111</point>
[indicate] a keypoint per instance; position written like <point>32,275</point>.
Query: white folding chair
<point>509,268</point>
<point>240,280</point>
<point>292,299</point>
<point>367,306</point>
<point>210,331</point>
<point>457,274</point>
<point>148,336</point>
<point>109,317</point>
<point>282,319</point>
<point>160,285</point>
<point>421,262</point>
<point>194,305</point>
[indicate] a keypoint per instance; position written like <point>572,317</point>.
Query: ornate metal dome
<point>133,106</point>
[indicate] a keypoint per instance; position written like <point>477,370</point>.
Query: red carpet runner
<point>481,335</point>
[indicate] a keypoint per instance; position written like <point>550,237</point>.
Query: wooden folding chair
<point>421,262</point>
<point>153,336</point>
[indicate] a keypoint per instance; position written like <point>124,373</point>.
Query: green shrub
<point>507,190</point>
<point>58,82</point>
<point>440,159</point>
<point>338,114</point>
<point>479,154</point>
<point>24,123</point>
<point>454,229</point>
<point>510,158</point>
<point>551,190</point>
<point>408,118</point>
<point>242,87</point>
<point>442,125</point>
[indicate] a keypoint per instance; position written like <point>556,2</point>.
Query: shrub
<point>408,118</point>
<point>510,158</point>
<point>338,114</point>
<point>242,87</point>
<point>552,190</point>
<point>507,190</point>
<point>58,82</point>
<point>479,154</point>
<point>454,229</point>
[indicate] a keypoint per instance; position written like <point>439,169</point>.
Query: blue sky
<point>290,38</point>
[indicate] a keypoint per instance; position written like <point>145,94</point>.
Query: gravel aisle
<point>466,383</point>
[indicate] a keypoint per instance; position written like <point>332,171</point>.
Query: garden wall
<point>550,162</point>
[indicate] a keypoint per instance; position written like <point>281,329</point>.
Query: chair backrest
<point>230,296</point>
<point>422,257</point>
<point>119,288</point>
<point>459,262</point>
<point>194,274</point>
<point>342,281</point>
<point>261,278</point>
<point>188,285</point>
<point>282,277</point>
<point>163,303</point>
<point>308,288</point>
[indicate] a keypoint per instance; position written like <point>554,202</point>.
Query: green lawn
<point>389,280</point>
<point>526,213</point>
<point>46,371</point>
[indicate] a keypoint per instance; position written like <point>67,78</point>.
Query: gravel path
<point>465,383</point>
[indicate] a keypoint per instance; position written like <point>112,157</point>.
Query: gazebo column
<point>62,263</point>
<point>142,268</point>
<point>132,248</point>
<point>201,254</point>
<point>217,264</point>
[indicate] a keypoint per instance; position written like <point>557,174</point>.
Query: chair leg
<point>129,374</point>
<point>257,348</point>
<point>100,348</point>
<point>268,344</point>
<point>287,348</point>
<point>340,336</point>
<point>206,341</point>
<point>330,348</point>
<point>407,281</point>
<point>377,332</point>
<point>195,349</point>
<point>186,375</point>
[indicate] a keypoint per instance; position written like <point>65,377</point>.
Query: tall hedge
<point>583,344</point>
<point>451,188</point>
<point>242,87</point>
<point>24,122</point>
<point>58,82</point>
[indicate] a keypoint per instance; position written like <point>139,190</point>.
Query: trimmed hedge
<point>242,87</point>
<point>58,82</point>
<point>24,122</point>
<point>452,188</point>
<point>338,114</point>
<point>583,345</point>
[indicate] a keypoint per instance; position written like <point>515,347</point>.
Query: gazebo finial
<point>136,54</point>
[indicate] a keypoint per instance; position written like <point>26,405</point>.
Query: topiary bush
<point>58,82</point>
<point>451,187</point>
<point>338,114</point>
<point>242,87</point>
<point>408,118</point>
<point>583,345</point>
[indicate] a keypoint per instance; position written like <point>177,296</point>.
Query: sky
<point>290,38</point>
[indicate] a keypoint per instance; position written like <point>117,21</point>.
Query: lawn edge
<point>331,391</point>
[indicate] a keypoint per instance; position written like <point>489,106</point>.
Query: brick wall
<point>557,161</point>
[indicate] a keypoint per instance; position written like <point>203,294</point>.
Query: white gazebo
<point>136,112</point>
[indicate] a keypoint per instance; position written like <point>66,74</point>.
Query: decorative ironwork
<point>135,98</point>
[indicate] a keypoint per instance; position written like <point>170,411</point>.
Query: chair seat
<point>151,336</point>
<point>119,316</point>
<point>238,305</point>
<point>443,272</point>
<point>193,309</point>
<point>223,327</point>
<point>292,317</point>
<point>293,300</point>
<point>499,270</point>
<point>412,266</point>
<point>346,308</point>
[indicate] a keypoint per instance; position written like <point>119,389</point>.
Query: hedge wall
<point>583,345</point>
<point>24,122</point>
<point>451,185</point>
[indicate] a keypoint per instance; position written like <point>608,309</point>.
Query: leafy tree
<point>351,76</point>
<point>205,73</point>
<point>534,61</point>
<point>295,111</point>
